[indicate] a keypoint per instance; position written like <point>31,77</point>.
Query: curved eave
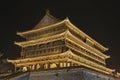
<point>40,29</point>
<point>98,68</point>
<point>20,34</point>
<point>18,43</point>
<point>69,56</point>
<point>103,55</point>
<point>36,58</point>
<point>69,24</point>
<point>42,40</point>
<point>107,56</point>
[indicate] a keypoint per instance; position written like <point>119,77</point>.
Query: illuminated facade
<point>53,43</point>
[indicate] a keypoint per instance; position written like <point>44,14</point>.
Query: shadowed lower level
<point>63,74</point>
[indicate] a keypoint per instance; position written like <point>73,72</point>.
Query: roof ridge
<point>48,13</point>
<point>47,19</point>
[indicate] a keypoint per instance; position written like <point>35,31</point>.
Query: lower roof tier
<point>65,57</point>
<point>60,46</point>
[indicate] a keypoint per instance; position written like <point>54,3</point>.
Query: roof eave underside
<point>70,25</point>
<point>44,40</point>
<point>67,53</point>
<point>39,29</point>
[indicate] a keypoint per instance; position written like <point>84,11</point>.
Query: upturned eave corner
<point>20,34</point>
<point>103,47</point>
<point>17,43</point>
<point>67,19</point>
<point>69,24</point>
<point>106,49</point>
<point>108,56</point>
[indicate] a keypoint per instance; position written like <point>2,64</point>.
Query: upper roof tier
<point>46,20</point>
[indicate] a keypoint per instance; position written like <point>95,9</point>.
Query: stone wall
<point>64,74</point>
<point>74,74</point>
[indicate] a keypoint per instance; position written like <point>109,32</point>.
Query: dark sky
<point>99,19</point>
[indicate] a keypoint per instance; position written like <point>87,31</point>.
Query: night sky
<point>99,19</point>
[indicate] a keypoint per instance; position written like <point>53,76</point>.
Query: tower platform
<point>64,74</point>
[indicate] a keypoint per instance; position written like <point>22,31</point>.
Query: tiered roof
<point>69,25</point>
<point>48,22</point>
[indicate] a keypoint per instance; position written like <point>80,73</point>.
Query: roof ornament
<point>47,11</point>
<point>67,18</point>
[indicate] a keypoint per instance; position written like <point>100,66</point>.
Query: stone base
<point>64,74</point>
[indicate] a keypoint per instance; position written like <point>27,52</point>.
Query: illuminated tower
<point>55,43</point>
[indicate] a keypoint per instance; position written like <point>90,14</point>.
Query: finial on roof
<point>67,18</point>
<point>47,11</point>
